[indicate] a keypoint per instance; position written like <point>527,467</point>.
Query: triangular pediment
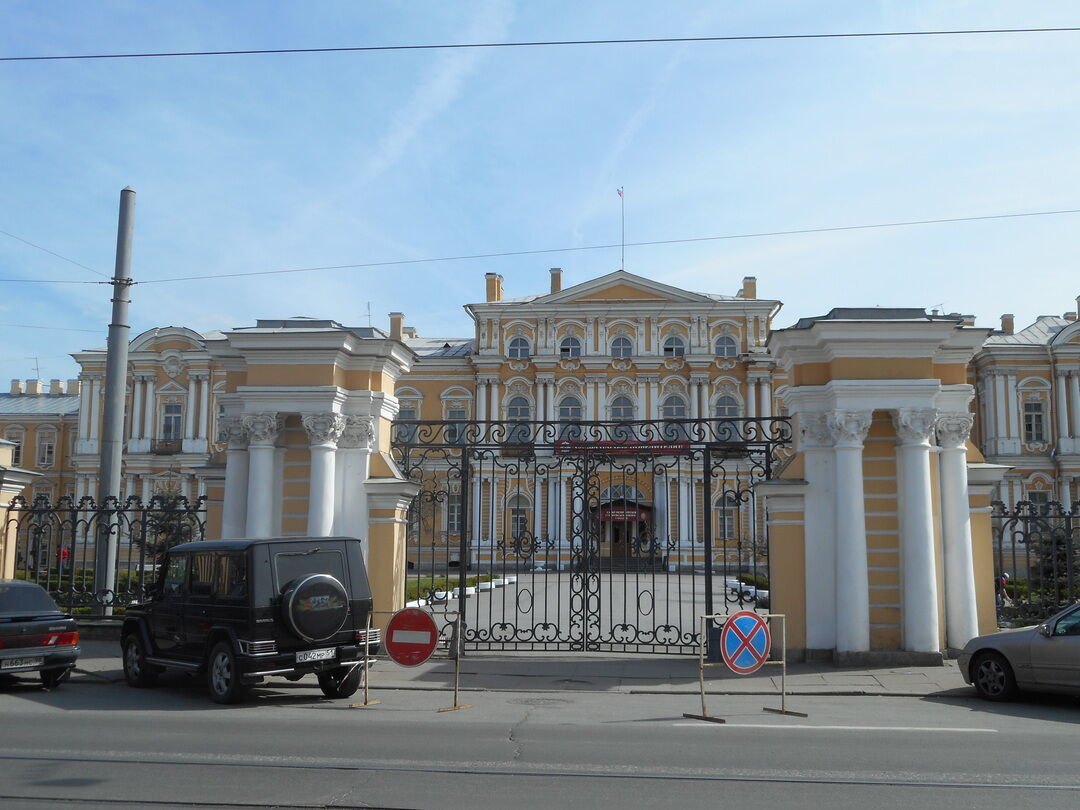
<point>621,286</point>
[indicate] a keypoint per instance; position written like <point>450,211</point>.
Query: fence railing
<point>56,544</point>
<point>1036,559</point>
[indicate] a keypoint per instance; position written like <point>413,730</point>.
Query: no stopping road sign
<point>745,642</point>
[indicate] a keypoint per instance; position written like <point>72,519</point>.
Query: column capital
<point>815,430</point>
<point>143,376</point>
<point>953,429</point>
<point>849,428</point>
<point>358,432</point>
<point>323,428</point>
<point>914,425</point>
<point>232,432</point>
<point>199,374</point>
<point>262,429</point>
<point>545,377</point>
<point>487,379</point>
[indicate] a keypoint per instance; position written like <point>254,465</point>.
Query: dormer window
<point>570,347</point>
<point>519,349</point>
<point>674,347</point>
<point>622,347</point>
<point>725,346</point>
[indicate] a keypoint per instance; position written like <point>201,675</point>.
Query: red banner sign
<point>623,448</point>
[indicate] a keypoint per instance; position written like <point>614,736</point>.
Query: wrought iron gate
<point>610,536</point>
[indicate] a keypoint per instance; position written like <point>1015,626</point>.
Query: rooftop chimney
<point>1069,316</point>
<point>33,386</point>
<point>1007,323</point>
<point>73,387</point>
<point>556,279</point>
<point>16,387</point>
<point>408,331</point>
<point>749,287</point>
<point>397,325</point>
<point>56,387</point>
<point>1078,305</point>
<point>494,286</point>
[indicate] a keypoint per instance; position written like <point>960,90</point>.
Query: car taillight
<point>60,639</point>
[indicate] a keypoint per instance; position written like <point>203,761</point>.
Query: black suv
<point>238,611</point>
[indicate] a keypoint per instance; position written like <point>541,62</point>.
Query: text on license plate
<point>315,655</point>
<point>16,663</point>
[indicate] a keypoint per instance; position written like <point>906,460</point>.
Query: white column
<point>661,490</point>
<point>766,398</point>
<point>149,406</point>
<point>1001,409</point>
<point>961,610</point>
<point>1062,408</point>
<point>494,412</point>
<point>989,417</point>
<point>919,589</point>
<point>84,409</point>
<point>204,408</point>
<point>538,512</point>
<point>552,507</point>
<point>695,399</point>
<point>654,395</point>
<point>95,407</point>
<point>684,516</point>
<point>848,429</point>
<point>323,430</point>
<point>148,490</point>
<point>189,408</point>
<point>549,400</point>
<point>643,402</point>
<point>262,430</point>
<point>1065,491</point>
<point>234,506</point>
<point>475,516</point>
<point>751,397</point>
<point>1074,395</point>
<point>136,407</point>
<point>353,464</point>
<point>590,400</point>
<point>481,399</point>
<point>1014,407</point>
<point>820,531</point>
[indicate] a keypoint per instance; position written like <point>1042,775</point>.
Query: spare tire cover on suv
<point>315,606</point>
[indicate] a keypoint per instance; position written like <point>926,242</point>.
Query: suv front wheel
<point>223,675</point>
<point>137,672</point>
<point>341,682</point>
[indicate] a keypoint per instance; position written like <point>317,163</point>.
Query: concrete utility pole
<point>112,434</point>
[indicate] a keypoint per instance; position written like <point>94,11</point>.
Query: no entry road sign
<point>745,642</point>
<point>411,636</point>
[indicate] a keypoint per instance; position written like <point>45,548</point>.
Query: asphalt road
<point>89,745</point>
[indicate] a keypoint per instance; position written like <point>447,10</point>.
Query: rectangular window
<point>406,433</point>
<point>202,573</point>
<point>519,523</point>
<point>454,434</point>
<point>172,583</point>
<point>1041,502</point>
<point>1034,428</point>
<point>46,451</point>
<point>16,451</point>
<point>453,514</point>
<point>230,577</point>
<point>171,422</point>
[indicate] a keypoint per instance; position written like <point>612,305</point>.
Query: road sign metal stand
<point>367,670</point>
<point>702,664</point>
<point>456,640</point>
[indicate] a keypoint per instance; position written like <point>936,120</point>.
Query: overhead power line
<point>47,328</point>
<point>542,251</point>
<point>538,44</point>
<point>53,253</point>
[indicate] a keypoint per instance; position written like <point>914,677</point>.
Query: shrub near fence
<point>56,544</point>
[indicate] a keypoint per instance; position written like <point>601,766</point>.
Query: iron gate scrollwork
<point>611,536</point>
<point>55,543</point>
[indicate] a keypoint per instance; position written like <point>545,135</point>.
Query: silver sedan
<point>1043,658</point>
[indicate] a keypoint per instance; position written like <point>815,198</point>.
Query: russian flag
<point>619,191</point>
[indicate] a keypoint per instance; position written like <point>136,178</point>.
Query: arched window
<point>727,511</point>
<point>626,492</point>
<point>519,410</point>
<point>622,409</point>
<point>570,410</point>
<point>622,347</point>
<point>519,508</point>
<point>16,435</point>
<point>519,349</point>
<point>408,409</point>
<point>674,346</point>
<point>725,346</point>
<point>570,347</point>
<point>726,408</point>
<point>673,407</point>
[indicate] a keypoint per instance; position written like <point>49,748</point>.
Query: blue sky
<point>249,163</point>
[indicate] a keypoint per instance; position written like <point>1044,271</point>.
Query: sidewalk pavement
<point>625,674</point>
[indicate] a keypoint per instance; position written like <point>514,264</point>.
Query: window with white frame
<point>407,409</point>
<point>1040,500</point>
<point>518,409</point>
<point>453,513</point>
<point>570,347</point>
<point>674,346</point>
<point>726,512</point>
<point>172,420</point>
<point>519,509</point>
<point>725,346</point>
<point>455,433</point>
<point>726,408</point>
<point>673,407</point>
<point>46,448</point>
<point>1034,422</point>
<point>570,410</point>
<point>519,349</point>
<point>622,347</point>
<point>622,409</point>
<point>16,435</point>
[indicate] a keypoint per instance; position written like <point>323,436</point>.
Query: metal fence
<point>56,544</point>
<point>1036,559</point>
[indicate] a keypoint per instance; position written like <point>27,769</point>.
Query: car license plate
<point>19,663</point>
<point>315,655</point>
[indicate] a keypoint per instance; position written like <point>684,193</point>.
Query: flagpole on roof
<point>622,229</point>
